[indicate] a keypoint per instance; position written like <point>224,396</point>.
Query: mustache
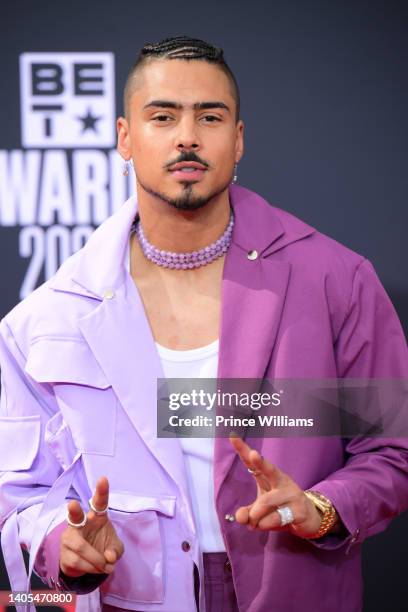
<point>188,156</point>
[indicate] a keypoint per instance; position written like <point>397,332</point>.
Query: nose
<point>187,136</point>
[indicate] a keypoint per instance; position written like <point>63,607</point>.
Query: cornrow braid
<point>184,48</point>
<point>181,47</point>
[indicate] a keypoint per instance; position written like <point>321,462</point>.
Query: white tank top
<point>198,452</point>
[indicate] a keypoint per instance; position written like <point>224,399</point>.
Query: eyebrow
<point>178,106</point>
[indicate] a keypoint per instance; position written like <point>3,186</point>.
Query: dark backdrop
<point>324,101</point>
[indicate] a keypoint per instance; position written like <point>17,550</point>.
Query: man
<point>195,277</point>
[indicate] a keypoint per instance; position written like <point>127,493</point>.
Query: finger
<point>268,502</point>
<point>114,552</point>
<point>111,555</point>
<point>242,515</point>
<point>75,512</point>
<point>250,457</point>
<point>100,498</point>
<point>260,509</point>
<point>74,542</point>
<point>241,448</point>
<point>264,468</point>
<point>244,452</point>
<point>273,520</point>
<point>264,510</point>
<point>73,564</point>
<point>270,522</point>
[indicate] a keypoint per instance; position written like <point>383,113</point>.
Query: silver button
<point>108,294</point>
<point>252,255</point>
<point>230,518</point>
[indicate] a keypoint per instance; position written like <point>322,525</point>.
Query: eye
<point>161,118</point>
<point>211,118</point>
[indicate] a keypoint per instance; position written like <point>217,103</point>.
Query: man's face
<point>167,124</point>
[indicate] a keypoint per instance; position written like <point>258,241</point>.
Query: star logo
<point>89,121</point>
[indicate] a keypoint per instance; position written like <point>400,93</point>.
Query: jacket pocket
<point>57,359</point>
<point>85,397</point>
<point>139,574</point>
<point>19,442</point>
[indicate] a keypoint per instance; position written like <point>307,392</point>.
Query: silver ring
<point>77,525</point>
<point>254,472</point>
<point>98,512</point>
<point>286,515</point>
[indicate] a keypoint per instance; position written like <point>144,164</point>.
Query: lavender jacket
<point>79,369</point>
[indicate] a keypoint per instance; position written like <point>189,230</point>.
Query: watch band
<point>329,514</point>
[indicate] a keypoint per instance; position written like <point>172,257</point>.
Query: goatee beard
<point>187,201</point>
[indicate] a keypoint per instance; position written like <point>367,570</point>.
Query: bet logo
<point>67,100</point>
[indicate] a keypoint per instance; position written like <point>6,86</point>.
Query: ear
<point>123,147</point>
<point>239,142</point>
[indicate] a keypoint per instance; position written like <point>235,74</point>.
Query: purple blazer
<point>79,369</point>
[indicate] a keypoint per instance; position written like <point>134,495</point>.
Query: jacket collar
<point>100,265</point>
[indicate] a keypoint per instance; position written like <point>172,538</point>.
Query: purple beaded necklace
<point>184,261</point>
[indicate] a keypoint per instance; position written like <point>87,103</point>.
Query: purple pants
<point>219,588</point>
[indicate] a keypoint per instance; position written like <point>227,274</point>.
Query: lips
<point>188,171</point>
<point>181,165</point>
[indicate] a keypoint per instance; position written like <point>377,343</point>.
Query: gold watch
<point>327,510</point>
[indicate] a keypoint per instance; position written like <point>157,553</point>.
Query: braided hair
<point>184,48</point>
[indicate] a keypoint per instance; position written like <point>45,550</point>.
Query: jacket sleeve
<point>372,487</point>
<point>28,468</point>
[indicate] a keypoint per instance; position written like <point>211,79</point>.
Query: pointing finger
<point>75,512</point>
<point>242,449</point>
<point>100,498</point>
<point>248,456</point>
<point>264,468</point>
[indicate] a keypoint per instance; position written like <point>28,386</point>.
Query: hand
<point>94,548</point>
<point>274,489</point>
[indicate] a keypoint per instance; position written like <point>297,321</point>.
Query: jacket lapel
<point>120,338</point>
<point>253,298</point>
